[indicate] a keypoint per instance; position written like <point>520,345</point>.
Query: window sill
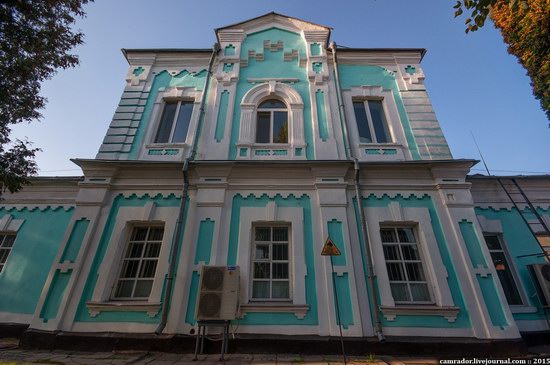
<point>522,309</point>
<point>167,150</point>
<point>449,313</point>
<point>299,310</point>
<point>391,151</point>
<point>94,308</point>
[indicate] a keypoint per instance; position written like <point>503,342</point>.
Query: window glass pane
<point>263,234</point>
<point>414,271</point>
<point>129,269</point>
<point>165,127</point>
<point>399,292</point>
<point>410,252</point>
<point>124,288</point>
<point>261,270</point>
<point>148,268</point>
<point>143,288</point>
<point>272,104</point>
<point>506,278</point>
<point>4,256</point>
<point>260,289</point>
<point>492,242</point>
<point>280,271</point>
<point>262,252</point>
<point>280,289</point>
<point>139,234</point>
<point>420,292</point>
<point>379,121</point>
<point>388,235</point>
<point>395,271</point>
<point>280,234</point>
<point>8,241</point>
<point>262,127</point>
<point>152,250</point>
<point>280,252</point>
<point>406,235</point>
<point>391,252</point>
<point>135,250</point>
<point>155,234</point>
<point>280,127</point>
<point>182,124</point>
<point>362,123</point>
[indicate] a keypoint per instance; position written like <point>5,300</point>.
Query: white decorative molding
<point>449,313</point>
<point>299,311</point>
<point>94,308</point>
<point>8,224</point>
<point>295,104</point>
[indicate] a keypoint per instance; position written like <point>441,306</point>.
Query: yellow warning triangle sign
<point>330,249</point>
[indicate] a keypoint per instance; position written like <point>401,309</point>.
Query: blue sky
<point>474,85</point>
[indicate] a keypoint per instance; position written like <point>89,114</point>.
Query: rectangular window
<point>6,243</point>
<point>405,272</point>
<point>270,263</point>
<point>504,270</point>
<point>174,122</point>
<point>371,121</point>
<point>139,263</point>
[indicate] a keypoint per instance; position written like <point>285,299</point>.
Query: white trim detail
<point>110,267</point>
<point>299,311</point>
<point>8,224</point>
<point>94,308</point>
<point>449,313</point>
<point>247,133</point>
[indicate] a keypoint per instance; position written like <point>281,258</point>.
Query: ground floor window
<point>271,263</point>
<point>139,263</point>
<point>408,281</point>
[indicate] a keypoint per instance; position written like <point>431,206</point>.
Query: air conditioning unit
<point>541,274</point>
<point>218,293</point>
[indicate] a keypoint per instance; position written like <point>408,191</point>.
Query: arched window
<point>272,122</point>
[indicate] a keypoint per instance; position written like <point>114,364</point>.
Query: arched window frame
<point>247,146</point>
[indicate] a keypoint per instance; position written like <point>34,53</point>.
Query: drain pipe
<point>185,193</point>
<point>364,232</point>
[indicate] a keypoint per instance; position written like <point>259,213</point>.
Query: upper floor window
<point>372,124</point>
<point>504,270</point>
<point>139,263</point>
<point>270,263</point>
<point>174,122</point>
<point>408,281</point>
<point>6,243</point>
<point>272,122</point>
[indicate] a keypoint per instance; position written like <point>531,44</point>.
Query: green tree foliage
<point>525,27</point>
<point>35,41</point>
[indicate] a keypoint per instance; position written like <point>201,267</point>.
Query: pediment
<point>272,20</point>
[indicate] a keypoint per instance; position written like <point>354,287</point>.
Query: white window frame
<point>140,260</point>
<point>171,94</point>
<point>272,112</point>
<point>402,261</point>
<point>393,120</point>
<point>174,120</point>
<point>271,261</point>
<point>370,123</point>
<point>3,237</point>
<point>247,148</point>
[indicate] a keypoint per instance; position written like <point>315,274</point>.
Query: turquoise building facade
<point>253,153</point>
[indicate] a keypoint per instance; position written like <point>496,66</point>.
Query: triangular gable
<point>271,20</point>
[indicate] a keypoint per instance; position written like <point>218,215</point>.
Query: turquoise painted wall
<point>33,253</point>
<point>359,75</point>
<point>425,201</point>
<point>273,65</point>
<point>321,115</point>
<point>488,284</point>
<point>120,201</point>
<point>344,300</point>
<point>222,116</point>
<point>519,242</point>
<point>161,81</point>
